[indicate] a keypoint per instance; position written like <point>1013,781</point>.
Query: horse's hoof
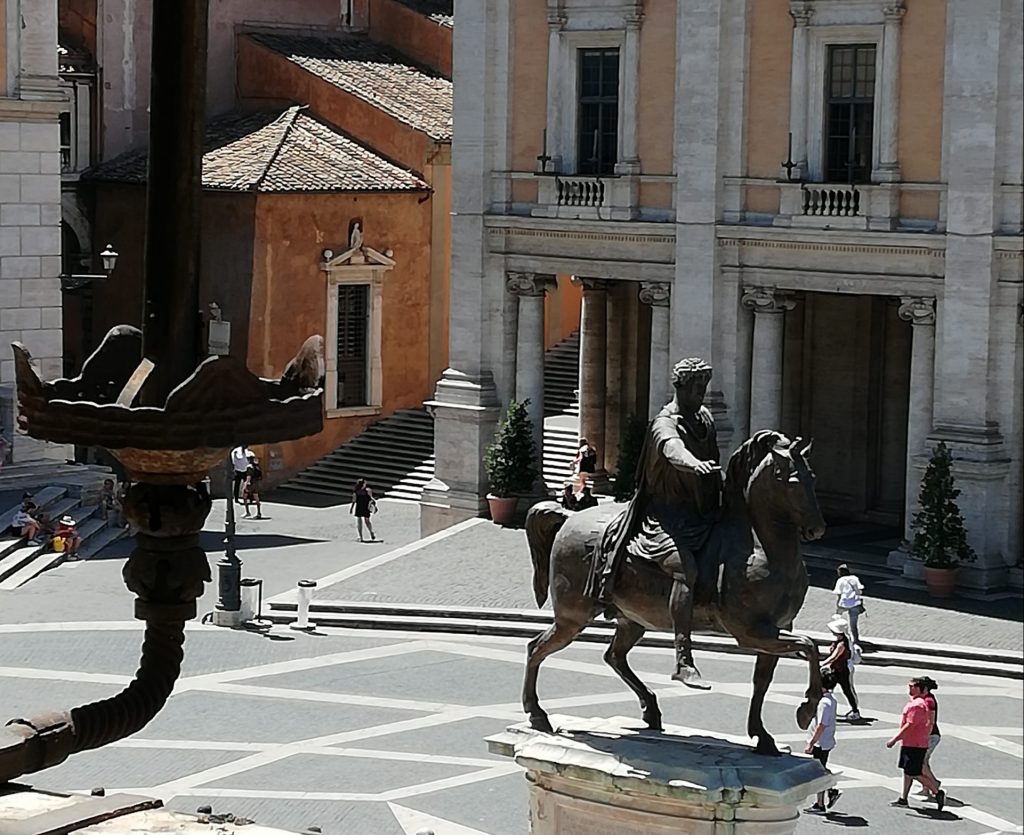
<point>542,724</point>
<point>767,748</point>
<point>804,715</point>
<point>653,722</point>
<point>691,678</point>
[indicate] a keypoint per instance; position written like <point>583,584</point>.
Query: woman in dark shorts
<point>585,463</point>
<point>915,726</point>
<point>363,504</point>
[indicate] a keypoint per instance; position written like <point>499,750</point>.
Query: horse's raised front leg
<point>627,634</point>
<point>778,642</point>
<point>560,634</point>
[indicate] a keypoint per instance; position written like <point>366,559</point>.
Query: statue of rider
<point>670,519</point>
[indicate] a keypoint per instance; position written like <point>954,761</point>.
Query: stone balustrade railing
<point>831,201</point>
<point>579,191</point>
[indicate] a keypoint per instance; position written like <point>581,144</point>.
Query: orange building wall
<point>263,75</point>
<point>412,34</point>
<point>528,87</point>
<point>771,38</point>
<point>922,39</point>
<point>289,297</point>
<point>655,113</point>
<point>561,310</point>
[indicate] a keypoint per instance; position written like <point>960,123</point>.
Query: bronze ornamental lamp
<point>142,396</point>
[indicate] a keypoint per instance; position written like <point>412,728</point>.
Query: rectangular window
<point>66,142</point>
<point>353,344</point>
<point>850,105</point>
<point>598,122</point>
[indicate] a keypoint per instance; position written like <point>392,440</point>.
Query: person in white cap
<point>67,532</point>
<point>840,661</point>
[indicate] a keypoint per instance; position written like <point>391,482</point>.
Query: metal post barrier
<point>305,596</point>
<point>249,592</point>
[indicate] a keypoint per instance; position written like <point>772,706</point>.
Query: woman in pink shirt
<point>915,726</point>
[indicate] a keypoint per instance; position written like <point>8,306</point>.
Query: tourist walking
<point>240,463</point>
<point>849,592</point>
<point>363,506</point>
<point>584,464</point>
<point>823,740</point>
<point>840,662</point>
<point>915,727</point>
<point>928,686</point>
<point>251,485</point>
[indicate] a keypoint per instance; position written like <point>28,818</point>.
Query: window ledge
<point>353,411</point>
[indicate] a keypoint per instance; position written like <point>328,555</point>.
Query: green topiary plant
<point>940,536</point>
<point>511,460</point>
<point>631,443</point>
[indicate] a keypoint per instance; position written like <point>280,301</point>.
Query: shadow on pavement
<point>211,541</point>
<point>842,819</point>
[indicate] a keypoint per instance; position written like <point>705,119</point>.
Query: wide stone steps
<point>396,455</point>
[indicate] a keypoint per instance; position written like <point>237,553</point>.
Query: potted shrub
<point>940,536</point>
<point>511,462</point>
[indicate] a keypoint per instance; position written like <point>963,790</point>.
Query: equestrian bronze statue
<point>688,552</point>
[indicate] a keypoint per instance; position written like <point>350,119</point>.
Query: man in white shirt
<point>240,462</point>
<point>823,740</point>
<point>849,598</point>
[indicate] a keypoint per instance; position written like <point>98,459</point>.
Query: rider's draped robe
<point>673,511</point>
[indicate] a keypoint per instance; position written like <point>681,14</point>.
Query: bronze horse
<point>769,506</point>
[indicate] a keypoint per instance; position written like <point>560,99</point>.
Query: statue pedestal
<point>613,777</point>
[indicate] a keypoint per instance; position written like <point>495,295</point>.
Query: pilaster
<point>801,11</point>
<point>629,158</point>
<point>593,356</point>
<point>887,167</point>
<point>529,289</point>
<point>657,294</point>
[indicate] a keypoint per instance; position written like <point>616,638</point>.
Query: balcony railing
<point>831,201</point>
<point>587,192</point>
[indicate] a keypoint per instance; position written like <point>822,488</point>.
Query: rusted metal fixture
<point>141,396</point>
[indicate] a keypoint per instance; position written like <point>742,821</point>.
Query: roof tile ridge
<point>289,117</point>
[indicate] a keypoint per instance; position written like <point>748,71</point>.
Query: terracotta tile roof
<point>411,93</point>
<point>276,152</point>
<point>439,11</point>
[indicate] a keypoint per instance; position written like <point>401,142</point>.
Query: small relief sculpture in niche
<point>355,234</point>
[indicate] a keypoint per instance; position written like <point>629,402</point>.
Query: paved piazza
<point>381,732</point>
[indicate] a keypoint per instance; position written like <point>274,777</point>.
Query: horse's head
<point>787,479</point>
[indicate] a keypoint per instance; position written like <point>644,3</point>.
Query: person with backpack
<point>841,660</point>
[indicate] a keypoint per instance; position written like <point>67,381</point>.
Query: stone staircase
<point>58,489</point>
<point>396,455</point>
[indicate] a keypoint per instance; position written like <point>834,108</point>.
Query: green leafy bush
<point>511,459</point>
<point>940,535</point>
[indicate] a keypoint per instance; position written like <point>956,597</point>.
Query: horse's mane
<point>744,461</point>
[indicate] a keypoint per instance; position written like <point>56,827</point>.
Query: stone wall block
<point>40,240</point>
<point>20,319</point>
<point>10,187</point>
<point>10,294</point>
<point>44,343</point>
<point>10,136</point>
<point>39,136</point>
<point>40,188</point>
<point>50,214</point>
<point>6,371</point>
<point>19,266</point>
<point>40,292</point>
<point>49,162</point>
<point>10,244</point>
<point>50,266</point>
<point>50,317</point>
<point>19,162</point>
<point>19,214</point>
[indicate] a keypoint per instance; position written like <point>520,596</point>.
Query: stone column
<point>887,166</point>
<point>801,12</point>
<point>920,312</point>
<point>657,295</point>
<point>769,306</point>
<point>613,370</point>
<point>593,352</point>
<point>629,156</point>
<point>530,289</point>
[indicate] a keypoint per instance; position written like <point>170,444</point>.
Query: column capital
<point>528,284</point>
<point>918,310</point>
<point>590,284</point>
<point>767,300</point>
<point>634,16</point>
<point>893,12</point>
<point>655,293</point>
<point>801,11</point>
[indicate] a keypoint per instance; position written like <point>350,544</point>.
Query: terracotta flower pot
<point>503,509</point>
<point>940,581</point>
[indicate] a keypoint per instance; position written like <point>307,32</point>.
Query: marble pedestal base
<point>612,777</point>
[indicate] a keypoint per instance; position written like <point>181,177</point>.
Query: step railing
<point>831,201</point>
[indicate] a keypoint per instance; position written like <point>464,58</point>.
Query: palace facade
<point>822,197</point>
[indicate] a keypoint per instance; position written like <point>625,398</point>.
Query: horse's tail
<point>543,521</point>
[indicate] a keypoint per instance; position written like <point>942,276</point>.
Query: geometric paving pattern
<point>381,733</point>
